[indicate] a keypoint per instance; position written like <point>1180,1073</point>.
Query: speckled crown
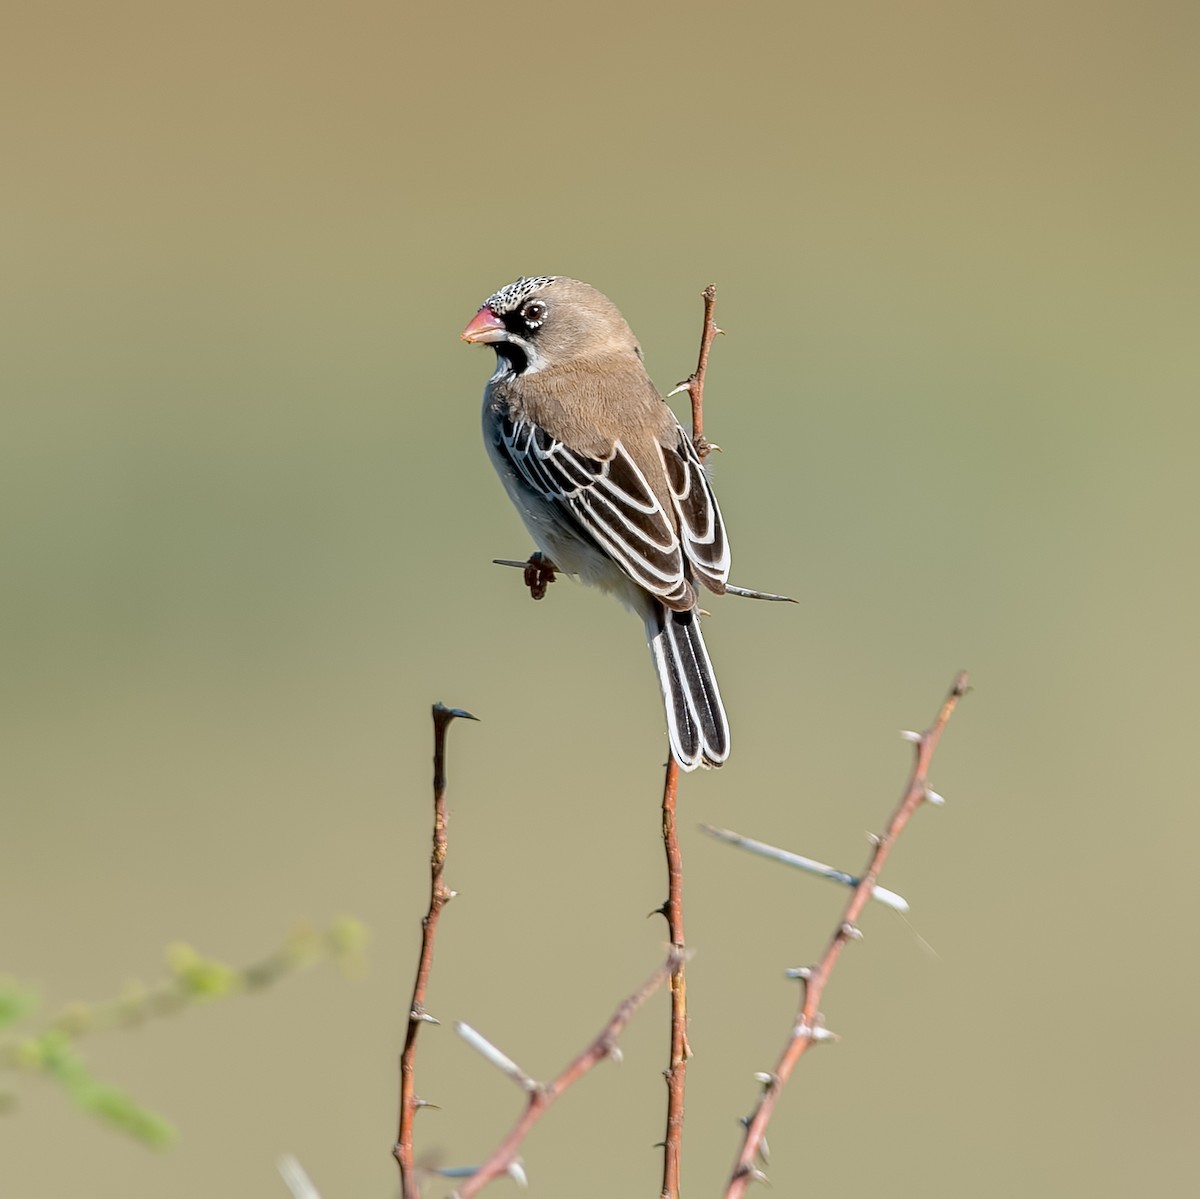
<point>510,297</point>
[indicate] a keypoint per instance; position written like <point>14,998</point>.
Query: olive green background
<point>247,529</point>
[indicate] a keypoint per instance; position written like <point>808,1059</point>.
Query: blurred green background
<point>247,528</point>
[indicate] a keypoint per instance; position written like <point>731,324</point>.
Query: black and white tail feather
<point>696,721</point>
<point>601,519</point>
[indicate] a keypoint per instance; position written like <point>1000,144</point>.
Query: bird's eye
<point>533,313</point>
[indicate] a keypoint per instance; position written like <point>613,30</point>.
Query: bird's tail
<point>696,721</point>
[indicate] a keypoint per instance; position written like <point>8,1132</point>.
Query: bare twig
<point>439,896</point>
<point>808,1027</point>
<point>694,383</point>
<point>542,1095</point>
<point>672,909</point>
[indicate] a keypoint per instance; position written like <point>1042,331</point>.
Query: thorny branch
<point>439,896</point>
<point>808,1027</point>
<point>542,1095</point>
<point>694,383</point>
<point>672,909</point>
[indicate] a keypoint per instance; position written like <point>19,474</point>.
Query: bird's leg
<point>540,572</point>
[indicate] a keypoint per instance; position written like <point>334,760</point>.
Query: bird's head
<point>546,321</point>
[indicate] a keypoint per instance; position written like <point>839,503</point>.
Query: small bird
<point>607,481</point>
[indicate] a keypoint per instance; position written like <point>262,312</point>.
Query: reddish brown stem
<point>541,1096</point>
<point>439,896</point>
<point>807,1027</point>
<point>694,383</point>
<point>676,1072</point>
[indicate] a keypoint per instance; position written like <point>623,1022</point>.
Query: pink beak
<point>485,327</point>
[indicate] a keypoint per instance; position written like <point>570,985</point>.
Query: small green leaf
<point>15,1003</point>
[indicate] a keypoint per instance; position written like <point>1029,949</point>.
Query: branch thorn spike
<point>450,713</point>
<point>808,1027</point>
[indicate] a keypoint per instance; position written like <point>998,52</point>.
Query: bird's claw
<point>540,572</point>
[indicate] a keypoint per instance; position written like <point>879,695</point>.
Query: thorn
<point>934,798</point>
<point>704,612</point>
<point>516,1171</point>
<point>423,1017</point>
<point>804,973</point>
<point>679,388</point>
<point>501,1061</point>
<point>462,714</point>
<point>851,932</point>
<point>455,1172</point>
<point>420,1103</point>
<point>295,1178</point>
<point>764,1151</point>
<point>820,1033</point>
<point>896,902</point>
<point>615,1055</point>
<point>882,894</point>
<point>766,1078</point>
<point>756,1175</point>
<point>449,896</point>
<point>874,840</point>
<point>909,735</point>
<point>750,593</point>
<point>718,332</point>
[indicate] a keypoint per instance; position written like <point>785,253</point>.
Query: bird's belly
<point>558,538</point>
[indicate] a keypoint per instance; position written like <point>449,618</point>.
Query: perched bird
<point>607,481</point>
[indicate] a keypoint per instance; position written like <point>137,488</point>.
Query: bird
<point>607,481</point>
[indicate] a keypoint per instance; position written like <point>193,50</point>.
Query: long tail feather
<point>696,721</point>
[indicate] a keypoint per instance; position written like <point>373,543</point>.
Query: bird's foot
<point>540,572</point>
